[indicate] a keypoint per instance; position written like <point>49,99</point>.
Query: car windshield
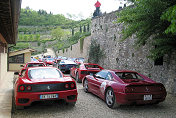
<point>44,73</point>
<point>50,59</point>
<point>128,75</point>
<point>34,65</point>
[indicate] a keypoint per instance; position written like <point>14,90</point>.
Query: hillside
<point>39,30</point>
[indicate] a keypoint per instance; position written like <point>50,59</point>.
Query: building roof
<point>9,16</point>
<point>21,52</point>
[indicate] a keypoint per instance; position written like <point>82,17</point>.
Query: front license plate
<point>49,96</point>
<point>147,97</point>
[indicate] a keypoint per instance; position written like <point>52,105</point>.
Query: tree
<point>84,28</point>
<point>57,33</point>
<point>146,21</point>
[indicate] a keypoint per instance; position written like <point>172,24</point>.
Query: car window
<point>91,66</point>
<point>102,74</point>
<point>109,76</point>
<point>128,75</point>
<point>34,65</point>
<point>44,73</point>
<point>23,72</point>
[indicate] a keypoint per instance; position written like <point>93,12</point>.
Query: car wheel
<point>14,106</point>
<point>19,107</point>
<point>111,99</point>
<point>86,86</point>
<point>77,78</point>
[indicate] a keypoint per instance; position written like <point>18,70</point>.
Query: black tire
<point>77,78</point>
<point>85,84</point>
<point>19,107</point>
<point>110,99</point>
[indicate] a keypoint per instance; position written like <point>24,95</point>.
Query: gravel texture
<point>91,106</point>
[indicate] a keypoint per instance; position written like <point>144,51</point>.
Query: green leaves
<point>147,19</point>
<point>169,15</point>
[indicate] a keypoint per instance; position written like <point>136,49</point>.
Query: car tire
<point>14,106</point>
<point>110,99</point>
<point>19,107</point>
<point>77,78</point>
<point>86,86</point>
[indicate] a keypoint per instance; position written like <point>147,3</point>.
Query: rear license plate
<point>147,97</point>
<point>49,96</point>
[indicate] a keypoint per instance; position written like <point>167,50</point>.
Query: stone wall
<point>76,52</point>
<point>123,55</point>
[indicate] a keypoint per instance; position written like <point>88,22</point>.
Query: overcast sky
<point>83,8</point>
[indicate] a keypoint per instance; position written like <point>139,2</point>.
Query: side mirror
<point>21,65</point>
<point>16,73</point>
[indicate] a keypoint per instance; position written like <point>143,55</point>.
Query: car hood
<point>50,80</point>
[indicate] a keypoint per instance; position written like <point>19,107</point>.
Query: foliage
<point>169,15</point>
<point>28,37</point>
<point>144,20</point>
<point>95,52</point>
<point>58,33</point>
<point>82,43</point>
<point>29,17</point>
<point>20,46</point>
<point>41,27</point>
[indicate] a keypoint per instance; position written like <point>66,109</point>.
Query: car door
<point>73,70</point>
<point>97,82</point>
<point>105,83</point>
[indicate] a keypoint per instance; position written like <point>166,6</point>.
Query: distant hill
<point>29,17</point>
<point>36,30</point>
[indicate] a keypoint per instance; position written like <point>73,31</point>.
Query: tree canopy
<point>151,21</point>
<point>29,17</point>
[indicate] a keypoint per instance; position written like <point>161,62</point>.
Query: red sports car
<point>83,69</point>
<point>118,87</point>
<point>49,61</point>
<point>43,83</point>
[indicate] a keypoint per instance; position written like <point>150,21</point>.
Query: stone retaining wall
<point>123,55</point>
<point>76,52</point>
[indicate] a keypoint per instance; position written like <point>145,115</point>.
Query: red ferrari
<point>118,87</point>
<point>43,83</point>
<point>83,69</point>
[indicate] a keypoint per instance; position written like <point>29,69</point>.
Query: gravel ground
<point>90,106</point>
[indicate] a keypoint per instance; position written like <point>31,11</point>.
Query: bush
<point>95,52</point>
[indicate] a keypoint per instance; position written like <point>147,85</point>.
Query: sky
<point>81,8</point>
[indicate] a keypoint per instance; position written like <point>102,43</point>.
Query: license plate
<point>49,96</point>
<point>147,97</point>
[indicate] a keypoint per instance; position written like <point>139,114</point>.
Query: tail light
<point>29,88</point>
<point>66,86</point>
<point>22,88</point>
<point>72,85</point>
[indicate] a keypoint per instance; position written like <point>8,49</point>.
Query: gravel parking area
<point>90,106</point>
